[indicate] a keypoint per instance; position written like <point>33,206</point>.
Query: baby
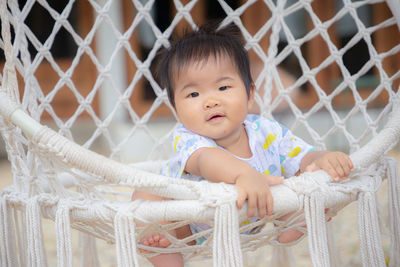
<point>208,79</point>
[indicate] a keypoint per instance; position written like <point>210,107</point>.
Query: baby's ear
<point>251,96</point>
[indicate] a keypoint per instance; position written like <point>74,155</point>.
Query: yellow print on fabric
<point>245,222</point>
<point>268,141</point>
<point>294,152</point>
<point>176,142</point>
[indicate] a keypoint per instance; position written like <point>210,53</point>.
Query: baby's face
<point>211,98</point>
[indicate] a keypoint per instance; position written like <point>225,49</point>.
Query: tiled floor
<point>345,231</point>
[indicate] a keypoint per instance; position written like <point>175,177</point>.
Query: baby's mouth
<point>215,117</point>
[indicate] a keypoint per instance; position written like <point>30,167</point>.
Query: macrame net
<point>90,191</point>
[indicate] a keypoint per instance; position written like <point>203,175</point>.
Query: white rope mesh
<point>276,24</point>
<point>77,188</point>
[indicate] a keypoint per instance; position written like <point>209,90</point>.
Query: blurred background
<point>93,62</point>
<point>91,69</point>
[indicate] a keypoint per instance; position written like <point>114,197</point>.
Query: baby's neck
<point>237,144</point>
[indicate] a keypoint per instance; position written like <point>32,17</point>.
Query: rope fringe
<point>314,211</point>
<point>89,251</point>
<point>394,211</point>
<point>370,237</point>
<point>63,235</point>
<point>333,255</point>
<point>124,226</point>
<point>7,238</point>
<point>36,252</point>
<point>226,243</point>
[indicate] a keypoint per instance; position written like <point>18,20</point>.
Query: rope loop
<point>215,195</point>
<point>308,183</point>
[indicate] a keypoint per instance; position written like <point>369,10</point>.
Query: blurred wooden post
<point>253,19</point>
<point>382,43</point>
<point>106,42</point>
<point>317,50</point>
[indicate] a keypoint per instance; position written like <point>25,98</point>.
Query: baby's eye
<point>193,94</point>
<point>223,88</point>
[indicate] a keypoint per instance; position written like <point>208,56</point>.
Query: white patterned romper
<point>276,151</point>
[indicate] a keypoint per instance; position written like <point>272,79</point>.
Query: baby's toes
<point>148,240</point>
<point>145,242</point>
<point>156,238</point>
<point>151,241</point>
<point>164,242</point>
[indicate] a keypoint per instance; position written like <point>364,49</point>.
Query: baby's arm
<point>336,164</point>
<point>217,165</point>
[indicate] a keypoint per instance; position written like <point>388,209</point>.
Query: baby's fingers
<point>270,204</point>
<point>272,180</point>
<point>262,205</point>
<point>337,166</point>
<point>347,165</point>
<point>251,205</point>
<point>241,198</point>
<point>331,171</point>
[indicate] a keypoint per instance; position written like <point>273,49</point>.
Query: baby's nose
<point>210,103</point>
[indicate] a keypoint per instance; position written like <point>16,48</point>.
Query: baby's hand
<point>254,186</point>
<point>336,164</point>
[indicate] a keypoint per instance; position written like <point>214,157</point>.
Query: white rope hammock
<point>56,178</point>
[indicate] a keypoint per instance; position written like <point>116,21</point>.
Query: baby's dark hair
<point>207,41</point>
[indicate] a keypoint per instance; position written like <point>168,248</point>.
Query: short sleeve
<point>291,149</point>
<point>184,144</point>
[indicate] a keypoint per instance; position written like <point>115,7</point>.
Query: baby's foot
<point>161,260</point>
<point>290,236</point>
<point>293,234</point>
<point>156,240</point>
